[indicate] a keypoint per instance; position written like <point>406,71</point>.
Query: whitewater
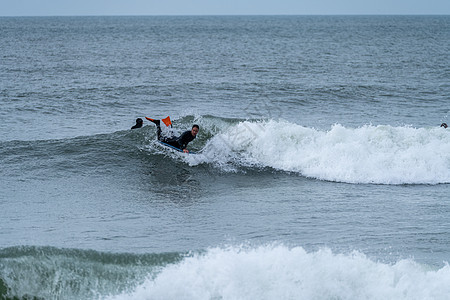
<point>380,154</point>
<point>280,272</point>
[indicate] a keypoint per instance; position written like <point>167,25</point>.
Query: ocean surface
<point>322,173</point>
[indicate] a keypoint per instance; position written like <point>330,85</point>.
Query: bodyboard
<point>175,148</point>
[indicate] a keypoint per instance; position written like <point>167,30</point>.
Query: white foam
<point>279,272</point>
<point>369,154</point>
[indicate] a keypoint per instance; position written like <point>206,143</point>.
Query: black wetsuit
<point>139,123</point>
<point>178,142</point>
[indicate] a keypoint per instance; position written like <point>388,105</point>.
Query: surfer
<point>444,125</point>
<point>177,142</point>
<point>139,123</point>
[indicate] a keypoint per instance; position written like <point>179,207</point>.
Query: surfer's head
<point>195,130</point>
<point>444,125</point>
<point>139,123</point>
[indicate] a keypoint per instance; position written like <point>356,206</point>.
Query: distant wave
<point>368,154</point>
<point>233,272</point>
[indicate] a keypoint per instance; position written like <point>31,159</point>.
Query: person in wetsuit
<point>178,142</point>
<point>139,123</point>
<point>444,125</point>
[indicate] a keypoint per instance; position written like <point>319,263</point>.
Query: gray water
<point>317,134</point>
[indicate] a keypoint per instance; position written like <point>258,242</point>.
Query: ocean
<point>322,171</point>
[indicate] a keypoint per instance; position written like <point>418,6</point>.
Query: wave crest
<point>370,154</point>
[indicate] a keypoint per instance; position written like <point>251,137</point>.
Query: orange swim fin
<point>167,121</point>
<point>156,121</point>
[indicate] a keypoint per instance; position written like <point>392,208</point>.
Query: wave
<point>233,272</point>
<point>52,273</point>
<point>381,154</point>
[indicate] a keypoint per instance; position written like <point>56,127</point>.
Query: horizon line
<point>222,15</point>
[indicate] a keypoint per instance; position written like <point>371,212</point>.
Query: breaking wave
<point>381,154</point>
<point>279,272</point>
<point>273,271</point>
